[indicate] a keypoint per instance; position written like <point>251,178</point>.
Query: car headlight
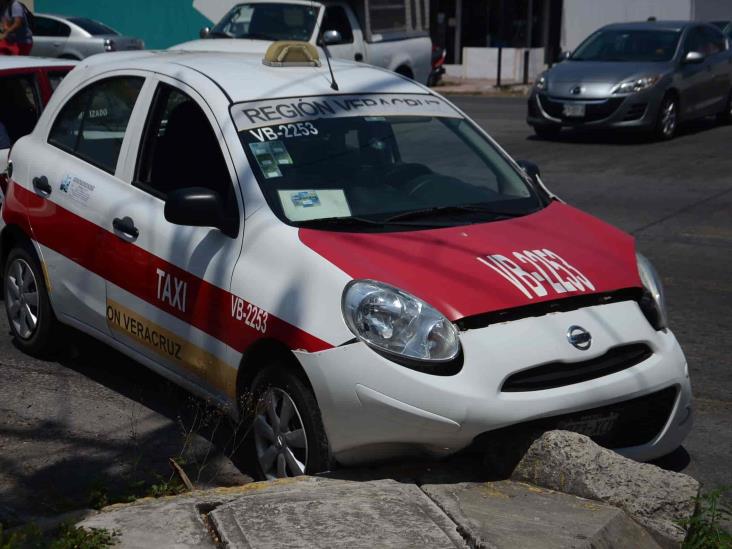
<point>398,324</point>
<point>634,85</point>
<point>653,302</point>
<point>541,83</point>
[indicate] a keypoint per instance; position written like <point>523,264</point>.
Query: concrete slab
<point>510,514</point>
<point>332,513</point>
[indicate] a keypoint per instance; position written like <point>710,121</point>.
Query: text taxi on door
<point>359,256</point>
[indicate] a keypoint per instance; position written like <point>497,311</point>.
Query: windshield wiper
<point>355,221</point>
<point>258,36</point>
<point>458,209</point>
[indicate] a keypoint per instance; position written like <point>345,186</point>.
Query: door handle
<point>42,185</point>
<point>358,57</point>
<point>126,227</point>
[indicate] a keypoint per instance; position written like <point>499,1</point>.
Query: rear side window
<point>19,107</point>
<point>92,124</point>
<point>50,27</point>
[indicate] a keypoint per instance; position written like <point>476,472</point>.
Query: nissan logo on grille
<point>579,337</point>
<point>576,90</point>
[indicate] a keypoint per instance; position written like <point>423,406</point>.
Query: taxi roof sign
<point>286,53</point>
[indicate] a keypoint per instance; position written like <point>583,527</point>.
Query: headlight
<point>396,323</point>
<point>541,83</point>
<point>634,85</point>
<point>653,302</point>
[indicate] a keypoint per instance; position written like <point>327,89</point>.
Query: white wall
<point>582,17</point>
<point>482,63</point>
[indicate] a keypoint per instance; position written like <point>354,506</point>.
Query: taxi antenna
<point>333,83</point>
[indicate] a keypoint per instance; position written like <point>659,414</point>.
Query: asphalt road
<point>95,423</point>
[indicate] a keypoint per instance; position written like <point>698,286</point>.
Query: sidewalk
<point>465,86</point>
<point>318,512</point>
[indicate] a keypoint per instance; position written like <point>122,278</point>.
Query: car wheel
<point>288,435</point>
<point>725,117</point>
<point>32,323</point>
<point>547,132</point>
<point>668,118</point>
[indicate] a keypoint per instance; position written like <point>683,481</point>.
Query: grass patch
<point>704,528</point>
<point>66,536</point>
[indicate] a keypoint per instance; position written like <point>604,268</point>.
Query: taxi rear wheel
<point>32,322</point>
<point>288,437</point>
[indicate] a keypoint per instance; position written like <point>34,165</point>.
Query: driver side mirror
<point>331,37</point>
<point>204,32</point>
<point>531,169</point>
<point>693,58</point>
<point>199,207</point>
<point>565,55</point>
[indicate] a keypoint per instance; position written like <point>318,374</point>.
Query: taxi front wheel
<point>32,322</point>
<point>288,435</point>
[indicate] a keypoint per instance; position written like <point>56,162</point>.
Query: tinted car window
<point>55,78</point>
<point>95,28</point>
<point>92,124</point>
<point>628,45</point>
<point>20,105</point>
<point>50,27</point>
<point>714,40</point>
<point>267,21</point>
<point>167,141</point>
<point>336,19</point>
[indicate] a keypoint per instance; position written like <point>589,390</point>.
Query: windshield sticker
<point>281,156</point>
<point>266,160</point>
<point>305,205</point>
<point>256,114</point>
<point>543,272</point>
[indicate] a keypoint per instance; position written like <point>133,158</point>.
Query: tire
<point>667,121</point>
<point>725,117</point>
<point>547,132</point>
<point>299,448</point>
<point>32,323</point>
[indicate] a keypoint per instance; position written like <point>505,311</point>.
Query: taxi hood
<point>556,253</point>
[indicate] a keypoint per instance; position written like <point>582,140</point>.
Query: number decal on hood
<point>537,272</point>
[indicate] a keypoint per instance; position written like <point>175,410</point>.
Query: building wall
<point>161,23</point>
<point>713,10</point>
<point>582,17</point>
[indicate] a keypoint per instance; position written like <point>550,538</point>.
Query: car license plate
<point>592,426</point>
<point>572,110</point>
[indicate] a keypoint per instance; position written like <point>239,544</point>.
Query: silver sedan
<point>649,76</point>
<point>77,37</point>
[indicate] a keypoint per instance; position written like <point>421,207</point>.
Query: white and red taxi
<point>365,259</point>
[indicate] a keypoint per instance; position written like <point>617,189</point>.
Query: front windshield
<point>265,21</point>
<point>628,46</point>
<point>384,173</point>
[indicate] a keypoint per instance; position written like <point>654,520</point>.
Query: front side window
<point>19,107</point>
<point>628,46</point>
<point>382,173</point>
<point>180,149</point>
<point>265,21</point>
<point>93,123</point>
<point>336,19</point>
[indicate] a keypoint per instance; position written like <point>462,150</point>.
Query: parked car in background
<point>77,37</point>
<point>392,40</point>
<point>26,85</point>
<point>647,76</point>
<point>725,27</point>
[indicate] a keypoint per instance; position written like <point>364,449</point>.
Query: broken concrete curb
<point>508,514</point>
<point>572,463</point>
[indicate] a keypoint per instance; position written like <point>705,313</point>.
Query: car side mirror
<point>693,58</point>
<point>331,37</point>
<point>565,55</point>
<point>199,207</point>
<point>204,32</point>
<point>531,169</point>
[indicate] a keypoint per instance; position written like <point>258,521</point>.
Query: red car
<point>26,85</point>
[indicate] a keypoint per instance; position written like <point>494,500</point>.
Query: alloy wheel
<point>21,297</point>
<point>279,436</point>
<point>669,118</point>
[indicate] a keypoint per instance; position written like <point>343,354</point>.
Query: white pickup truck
<point>390,34</point>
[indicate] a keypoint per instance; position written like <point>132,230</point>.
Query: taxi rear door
<point>169,298</point>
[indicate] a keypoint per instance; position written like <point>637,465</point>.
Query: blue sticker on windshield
<point>305,199</point>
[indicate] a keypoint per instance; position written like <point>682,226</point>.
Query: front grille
<point>559,374</point>
<point>634,422</point>
<point>635,112</point>
<point>594,110</point>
